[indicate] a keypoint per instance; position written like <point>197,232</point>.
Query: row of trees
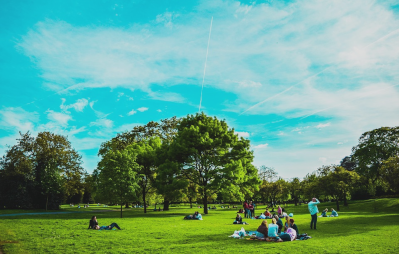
<point>197,157</point>
<point>372,169</point>
<point>193,159</point>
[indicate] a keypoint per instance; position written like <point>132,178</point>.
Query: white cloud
<point>142,109</point>
<point>79,105</point>
<point>242,134</point>
<point>58,117</point>
<point>17,119</point>
<point>261,146</point>
<point>322,125</point>
<point>158,110</point>
<point>132,112</point>
<point>103,122</point>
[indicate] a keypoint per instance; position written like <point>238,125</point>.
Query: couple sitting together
<point>195,216</point>
<point>94,225</point>
<point>333,213</point>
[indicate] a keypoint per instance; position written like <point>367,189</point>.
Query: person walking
<point>312,206</point>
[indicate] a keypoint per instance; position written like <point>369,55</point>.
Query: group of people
<point>94,225</point>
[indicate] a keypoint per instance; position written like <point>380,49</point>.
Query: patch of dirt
<point>2,244</point>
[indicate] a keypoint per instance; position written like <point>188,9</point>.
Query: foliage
<point>212,156</point>
<point>390,172</point>
<point>38,171</point>
<point>119,174</point>
<point>374,148</point>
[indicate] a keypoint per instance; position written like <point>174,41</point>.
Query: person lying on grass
<point>262,229</point>
<point>324,213</point>
<point>195,216</point>
<point>288,236</point>
<point>110,227</point>
<point>333,213</point>
<point>93,222</point>
<point>239,220</point>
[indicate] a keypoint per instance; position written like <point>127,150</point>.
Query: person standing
<point>312,206</point>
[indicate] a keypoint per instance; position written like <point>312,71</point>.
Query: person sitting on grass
<point>195,216</point>
<point>324,213</point>
<point>268,214</point>
<point>279,211</point>
<point>273,230</point>
<point>290,235</point>
<point>239,220</point>
<point>263,230</point>
<point>279,223</point>
<point>294,226</point>
<point>286,223</point>
<point>93,223</point>
<point>110,227</point>
<point>333,213</point>
<point>241,211</point>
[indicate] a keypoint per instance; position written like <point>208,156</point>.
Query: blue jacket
<point>334,213</point>
<point>313,207</point>
<point>273,229</point>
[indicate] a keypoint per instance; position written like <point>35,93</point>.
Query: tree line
<point>192,159</point>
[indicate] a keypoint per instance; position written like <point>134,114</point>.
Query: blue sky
<point>301,79</point>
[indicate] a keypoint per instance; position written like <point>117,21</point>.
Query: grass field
<point>369,226</point>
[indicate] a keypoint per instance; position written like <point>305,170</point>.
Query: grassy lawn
<point>364,226</point>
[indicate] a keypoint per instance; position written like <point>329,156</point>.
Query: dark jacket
<point>239,219</point>
<point>263,229</point>
<point>295,228</point>
<point>93,224</point>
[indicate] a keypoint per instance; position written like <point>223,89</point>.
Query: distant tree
<point>390,172</point>
<point>338,183</point>
<point>213,157</point>
<point>40,170</point>
<point>267,173</point>
<point>295,189</point>
<point>118,174</point>
<point>311,186</point>
<point>348,164</point>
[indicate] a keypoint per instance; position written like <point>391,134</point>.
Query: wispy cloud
<point>243,134</point>
<point>58,117</point>
<point>132,112</point>
<point>79,105</point>
<point>261,146</point>
<point>142,109</point>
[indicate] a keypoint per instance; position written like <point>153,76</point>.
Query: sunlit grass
<point>357,229</point>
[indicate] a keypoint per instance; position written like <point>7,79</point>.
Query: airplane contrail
<point>286,90</point>
<point>206,59</point>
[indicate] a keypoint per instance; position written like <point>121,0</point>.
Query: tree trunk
<point>337,204</point>
<point>46,202</point>
<point>166,204</point>
<point>205,204</point>
<point>145,203</point>
<point>127,205</point>
<point>121,209</point>
<point>191,202</point>
<point>345,201</point>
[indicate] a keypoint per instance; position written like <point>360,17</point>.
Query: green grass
<point>357,229</point>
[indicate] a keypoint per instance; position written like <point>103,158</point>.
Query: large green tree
<point>38,170</point>
<point>374,148</point>
<point>213,157</point>
<point>118,174</point>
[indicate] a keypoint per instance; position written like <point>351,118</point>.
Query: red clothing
<point>245,205</point>
<point>268,214</point>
